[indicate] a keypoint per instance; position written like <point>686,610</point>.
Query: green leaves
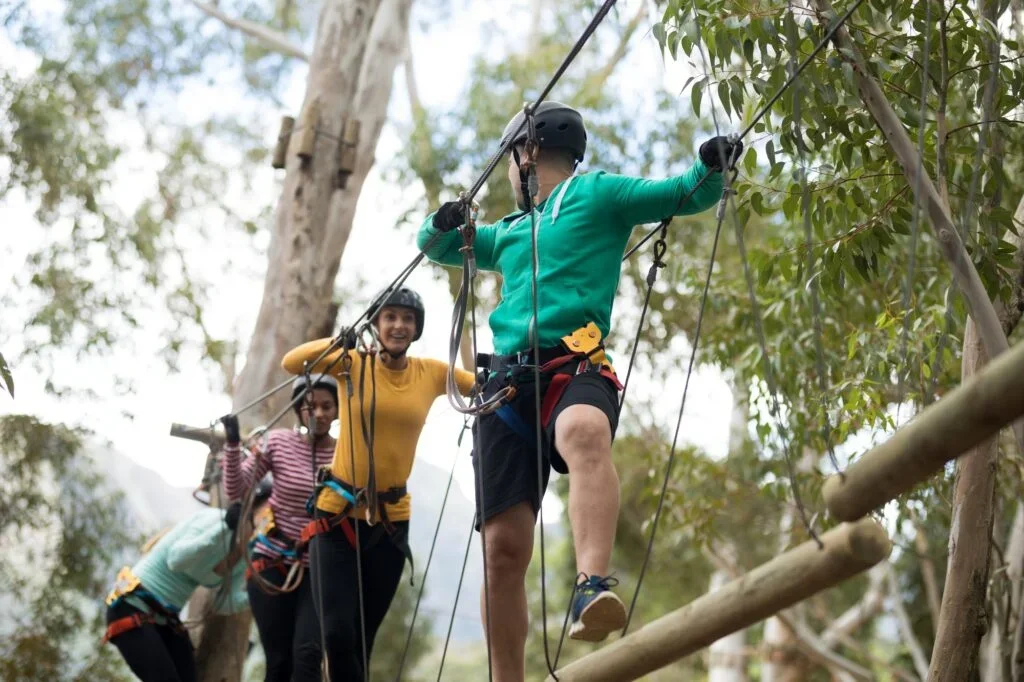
<point>5,374</point>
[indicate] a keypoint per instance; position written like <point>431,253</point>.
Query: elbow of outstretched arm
<point>295,360</point>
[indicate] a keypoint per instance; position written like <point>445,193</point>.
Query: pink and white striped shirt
<point>287,456</point>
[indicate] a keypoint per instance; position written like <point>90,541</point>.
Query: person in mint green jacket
<point>143,608</point>
<point>583,224</point>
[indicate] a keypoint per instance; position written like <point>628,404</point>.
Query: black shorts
<point>508,457</point>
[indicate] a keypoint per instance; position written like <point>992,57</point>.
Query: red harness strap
<point>314,528</point>
<point>260,565</point>
<point>137,620</point>
<point>560,381</point>
<point>123,625</point>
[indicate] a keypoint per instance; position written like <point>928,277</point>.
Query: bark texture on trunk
<point>962,619</point>
<point>304,251</point>
<point>727,658</point>
<point>997,652</point>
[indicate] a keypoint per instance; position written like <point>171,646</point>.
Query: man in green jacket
<point>583,224</point>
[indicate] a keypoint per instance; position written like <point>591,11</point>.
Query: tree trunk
<point>962,620</point>
<point>783,660</point>
<point>998,642</point>
<point>305,249</point>
<point>358,44</point>
<point>727,657</point>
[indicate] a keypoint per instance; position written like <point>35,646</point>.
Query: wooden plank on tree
<point>782,582</point>
<point>964,418</point>
<point>283,138</point>
<point>310,119</point>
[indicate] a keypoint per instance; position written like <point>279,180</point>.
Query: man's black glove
<point>348,337</point>
<point>451,215</point>
<point>232,514</point>
<point>232,434</point>
<point>714,150</point>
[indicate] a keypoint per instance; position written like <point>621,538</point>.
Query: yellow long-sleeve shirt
<point>403,399</point>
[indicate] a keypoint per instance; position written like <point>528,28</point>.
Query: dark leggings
<point>155,653</point>
<point>289,629</point>
<point>334,583</point>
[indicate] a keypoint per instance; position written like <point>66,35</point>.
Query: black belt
<point>392,495</point>
<point>499,363</point>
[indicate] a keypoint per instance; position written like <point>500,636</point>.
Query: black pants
<point>289,629</point>
<point>335,588</point>
<point>155,653</point>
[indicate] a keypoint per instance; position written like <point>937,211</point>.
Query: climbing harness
<point>353,498</point>
<point>150,610</point>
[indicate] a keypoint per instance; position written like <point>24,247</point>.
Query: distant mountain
<point>152,502</point>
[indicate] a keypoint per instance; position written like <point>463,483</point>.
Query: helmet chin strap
<point>525,201</point>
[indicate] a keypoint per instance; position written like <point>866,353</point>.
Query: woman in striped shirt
<point>287,620</point>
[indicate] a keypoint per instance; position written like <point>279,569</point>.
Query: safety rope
<point>769,376</point>
<point>720,215</point>
<point>507,143</point>
<point>458,591</point>
<point>355,526</point>
<point>657,263</point>
<point>682,406</point>
<point>430,555</point>
<point>530,185</point>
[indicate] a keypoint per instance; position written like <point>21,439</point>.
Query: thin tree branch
<point>1006,121</point>
<point>860,613</point>
<point>819,652</point>
<point>268,37</point>
<point>982,65</point>
<point>906,629</point>
<point>931,583</point>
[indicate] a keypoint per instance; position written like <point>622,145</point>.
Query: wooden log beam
<point>963,419</point>
<point>782,582</point>
<point>213,438</point>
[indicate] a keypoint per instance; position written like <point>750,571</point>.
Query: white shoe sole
<point>602,616</point>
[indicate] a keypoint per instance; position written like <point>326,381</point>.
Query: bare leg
<point>509,548</point>
<point>584,439</point>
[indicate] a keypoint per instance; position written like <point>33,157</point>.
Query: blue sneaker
<point>596,610</point>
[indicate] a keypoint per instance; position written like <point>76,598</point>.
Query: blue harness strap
<point>336,487</point>
<point>515,422</point>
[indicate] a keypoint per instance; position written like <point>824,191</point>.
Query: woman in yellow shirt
<point>392,394</point>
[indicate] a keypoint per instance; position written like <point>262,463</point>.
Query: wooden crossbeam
<point>963,418</point>
<point>772,587</point>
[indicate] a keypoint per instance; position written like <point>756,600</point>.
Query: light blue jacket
<point>185,558</point>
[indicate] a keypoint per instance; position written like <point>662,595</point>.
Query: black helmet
<point>325,382</point>
<point>400,298</point>
<point>558,126</point>
<point>263,490</point>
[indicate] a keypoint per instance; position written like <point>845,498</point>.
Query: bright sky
<point>193,395</point>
